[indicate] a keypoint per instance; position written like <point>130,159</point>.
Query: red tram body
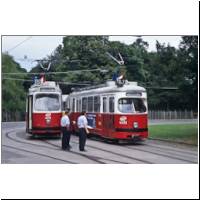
<point>44,109</point>
<point>113,112</point>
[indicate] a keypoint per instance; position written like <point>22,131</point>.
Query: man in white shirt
<point>83,130</point>
<point>65,129</point>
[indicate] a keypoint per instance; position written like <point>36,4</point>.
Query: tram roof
<point>109,87</point>
<point>47,86</point>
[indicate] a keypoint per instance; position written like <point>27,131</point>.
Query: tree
<point>188,62</point>
<point>13,95</point>
<point>166,67</point>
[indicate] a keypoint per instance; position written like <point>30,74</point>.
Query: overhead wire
<point>9,50</point>
<point>60,82</point>
<point>35,73</point>
<point>46,73</point>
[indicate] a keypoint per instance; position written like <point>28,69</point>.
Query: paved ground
<point>18,148</point>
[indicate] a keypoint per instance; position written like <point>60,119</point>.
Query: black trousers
<point>82,139</point>
<point>65,138</point>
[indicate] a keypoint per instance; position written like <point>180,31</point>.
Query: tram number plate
<point>135,135</point>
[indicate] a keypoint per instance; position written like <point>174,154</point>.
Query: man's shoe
<point>83,150</point>
<point>69,147</point>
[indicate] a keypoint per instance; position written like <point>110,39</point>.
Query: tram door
<point>30,111</point>
<point>104,116</point>
<point>108,117</point>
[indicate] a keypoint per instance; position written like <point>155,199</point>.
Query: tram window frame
<point>84,104</point>
<point>69,103</point>
<point>97,103</point>
<point>105,104</point>
<point>90,104</point>
<point>77,106</point>
<point>111,104</point>
<point>73,104</point>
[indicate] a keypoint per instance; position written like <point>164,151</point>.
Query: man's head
<point>67,111</point>
<point>83,112</point>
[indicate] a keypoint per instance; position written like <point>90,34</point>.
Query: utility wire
<point>28,80</point>
<point>9,50</point>
<point>50,60</point>
<point>70,83</point>
<point>17,79</point>
<point>84,70</point>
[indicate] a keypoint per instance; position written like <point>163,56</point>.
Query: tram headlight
<point>135,124</point>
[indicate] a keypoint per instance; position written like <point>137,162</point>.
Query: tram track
<point>80,154</point>
<point>93,158</point>
<point>40,154</point>
<point>86,155</point>
<point>97,159</point>
<point>156,153</point>
<point>114,153</point>
<point>47,147</point>
<point>153,146</point>
<point>160,154</point>
<point>162,148</point>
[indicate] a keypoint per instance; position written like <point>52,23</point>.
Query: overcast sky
<point>37,47</point>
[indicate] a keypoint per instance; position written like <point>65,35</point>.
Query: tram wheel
<point>115,141</point>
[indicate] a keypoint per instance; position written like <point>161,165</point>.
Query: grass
<point>187,133</point>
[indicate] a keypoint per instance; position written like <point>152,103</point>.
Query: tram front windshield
<point>47,102</point>
<point>131,105</point>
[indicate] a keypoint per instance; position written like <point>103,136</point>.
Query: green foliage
<point>165,67</point>
<point>188,62</point>
<point>13,94</point>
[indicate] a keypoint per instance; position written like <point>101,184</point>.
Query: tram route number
<point>123,120</point>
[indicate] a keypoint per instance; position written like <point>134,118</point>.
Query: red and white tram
<point>44,108</point>
<point>113,111</point>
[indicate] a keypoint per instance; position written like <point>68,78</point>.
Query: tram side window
<point>84,104</point>
<point>104,104</point>
<point>64,105</point>
<point>79,105</point>
<point>111,104</point>
<point>90,104</point>
<point>97,104</point>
